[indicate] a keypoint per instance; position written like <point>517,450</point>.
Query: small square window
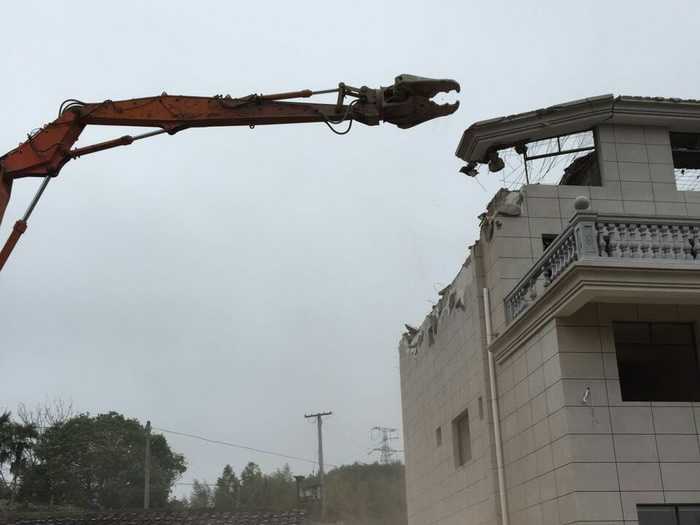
<point>657,361</point>
<point>462,439</point>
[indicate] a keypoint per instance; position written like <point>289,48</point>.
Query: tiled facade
<point>573,451</point>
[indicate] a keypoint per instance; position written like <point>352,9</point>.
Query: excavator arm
<point>406,103</point>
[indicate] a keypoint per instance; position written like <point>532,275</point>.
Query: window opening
<point>568,160</point>
<point>657,361</point>
<point>547,239</point>
<point>438,436</point>
<point>462,439</point>
<point>481,408</point>
<point>685,149</point>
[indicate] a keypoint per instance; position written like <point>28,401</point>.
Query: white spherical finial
<point>582,203</point>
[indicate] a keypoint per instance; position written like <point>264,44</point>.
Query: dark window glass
<point>685,148</point>
<point>668,514</point>
<point>661,515</point>
<point>657,361</point>
<point>547,239</point>
<point>689,515</point>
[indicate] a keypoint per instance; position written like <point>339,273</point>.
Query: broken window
<point>462,439</point>
<point>657,361</point>
<point>685,149</point>
<point>569,160</point>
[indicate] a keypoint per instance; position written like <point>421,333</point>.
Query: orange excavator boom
<point>406,103</point>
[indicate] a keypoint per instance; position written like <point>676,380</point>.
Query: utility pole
<point>147,481</point>
<point>320,459</point>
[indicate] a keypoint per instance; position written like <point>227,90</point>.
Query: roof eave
<point>574,117</point>
<point>554,121</point>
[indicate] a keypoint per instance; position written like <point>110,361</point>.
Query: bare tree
<point>46,414</point>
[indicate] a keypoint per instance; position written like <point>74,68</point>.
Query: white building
<point>592,316</point>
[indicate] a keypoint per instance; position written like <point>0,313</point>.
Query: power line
<point>227,444</point>
<point>348,439</point>
<point>87,441</point>
<point>350,426</point>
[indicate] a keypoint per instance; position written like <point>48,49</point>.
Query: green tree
<point>280,489</point>
<point>99,462</point>
<point>16,443</point>
<point>175,503</point>
<point>226,491</point>
<point>201,496</point>
<point>252,490</point>
<point>368,493</point>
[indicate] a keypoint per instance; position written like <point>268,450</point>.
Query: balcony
<point>611,258</point>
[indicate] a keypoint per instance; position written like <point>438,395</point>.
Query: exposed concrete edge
<point>603,281</point>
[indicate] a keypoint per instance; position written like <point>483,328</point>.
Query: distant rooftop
<point>158,517</point>
<point>576,116</point>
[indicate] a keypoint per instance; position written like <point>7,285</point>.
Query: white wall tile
<point>630,500</point>
<point>632,153</point>
<point>628,134</point>
<point>639,476</point>
<point>656,135</point>
<point>599,506</point>
<point>674,420</point>
<point>636,448</point>
<point>681,476</point>
<point>631,420</point>
<point>662,173</point>
<point>678,447</point>
<point>632,172</point>
<point>659,154</point>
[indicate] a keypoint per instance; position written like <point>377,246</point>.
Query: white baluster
<point>635,242</point>
<point>685,232</point>
<point>655,237</point>
<point>666,242</point>
<point>645,242</point>
<point>614,242</point>
<point>602,243</point>
<point>677,243</point>
<point>624,241</point>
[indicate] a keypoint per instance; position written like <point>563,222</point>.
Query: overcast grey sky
<point>224,282</point>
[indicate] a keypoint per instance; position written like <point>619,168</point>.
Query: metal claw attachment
<point>407,103</point>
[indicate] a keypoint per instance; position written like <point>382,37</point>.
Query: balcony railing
<point>594,236</point>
